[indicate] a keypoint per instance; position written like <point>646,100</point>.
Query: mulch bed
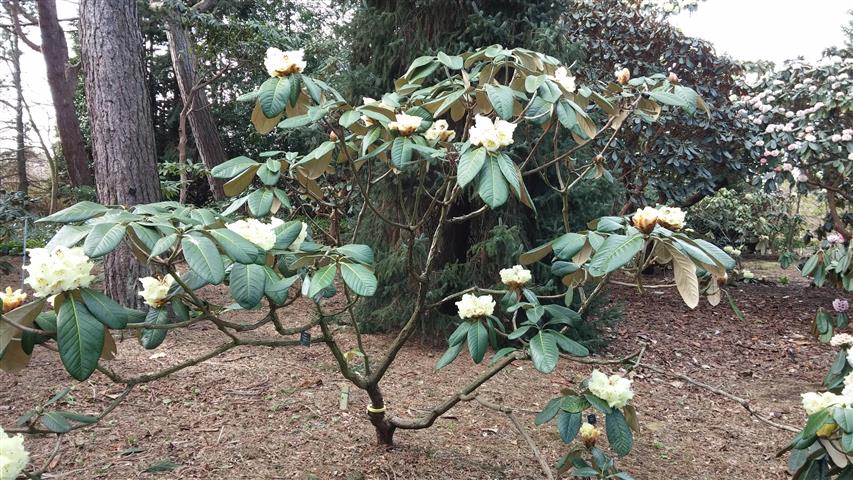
<point>262,413</point>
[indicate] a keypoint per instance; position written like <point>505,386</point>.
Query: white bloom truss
<point>491,135</point>
<point>562,77</point>
<point>155,290</point>
<point>260,233</point>
<point>281,64</point>
<point>405,124</point>
<point>515,276</point>
<point>13,456</point>
<point>439,131</point>
<point>472,306</point>
<point>57,270</point>
<point>615,389</point>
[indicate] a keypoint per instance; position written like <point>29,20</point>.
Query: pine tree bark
<point>201,120</point>
<point>62,82</point>
<point>122,128</point>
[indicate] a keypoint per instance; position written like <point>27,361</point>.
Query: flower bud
<point>12,300</point>
<point>622,76</point>
<point>589,434</point>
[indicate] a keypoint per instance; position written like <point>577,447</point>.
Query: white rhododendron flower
<point>515,276</point>
<point>841,340</point>
<point>405,125</point>
<point>671,217</point>
<point>13,456</point>
<point>57,270</point>
<point>615,389</point>
<point>814,402</point>
<point>281,64</point>
<point>439,131</point>
<point>260,233</point>
<point>562,77</point>
<point>491,135</point>
<point>472,306</point>
<point>303,234</point>
<point>622,76</point>
<point>155,290</point>
<point>645,219</point>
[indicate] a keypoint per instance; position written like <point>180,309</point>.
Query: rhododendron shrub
<point>445,140</point>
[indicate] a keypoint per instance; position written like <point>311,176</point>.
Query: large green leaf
<point>470,165</point>
<point>151,338</point>
<point>568,245</point>
<point>478,340</point>
<point>570,346</point>
<point>69,235</point>
<point>449,355</point>
<point>619,433</point>
<point>401,152</point>
<point>203,258</point>
<point>510,173</point>
<point>277,288</point>
<point>717,253</point>
<point>493,188</point>
<point>500,96</point>
<point>550,411</point>
<point>105,309</point>
<point>324,277</point>
<point>76,213</point>
<point>273,96</point>
<point>616,251</point>
<point>80,338</point>
<point>238,248</point>
<point>246,284</point>
<point>568,425</point>
<point>103,239</point>
<point>544,352</point>
<point>55,422</point>
<point>260,202</point>
<point>232,167</point>
<point>359,279</point>
<point>357,252</point>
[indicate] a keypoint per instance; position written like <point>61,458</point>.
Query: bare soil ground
<point>262,413</point>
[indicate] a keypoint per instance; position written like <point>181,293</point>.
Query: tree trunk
<point>20,134</point>
<point>122,129</point>
<point>62,81</point>
<point>201,121</point>
<point>383,426</point>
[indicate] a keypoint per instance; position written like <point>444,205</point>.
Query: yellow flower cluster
<point>58,270</point>
<point>646,218</point>
<point>282,64</point>
<point>155,290</point>
<point>260,233</point>
<point>491,135</point>
<point>472,306</point>
<point>615,389</point>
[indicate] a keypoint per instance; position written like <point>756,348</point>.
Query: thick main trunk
<point>383,426</point>
<point>201,120</point>
<point>122,129</point>
<point>62,82</point>
<point>20,134</point>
